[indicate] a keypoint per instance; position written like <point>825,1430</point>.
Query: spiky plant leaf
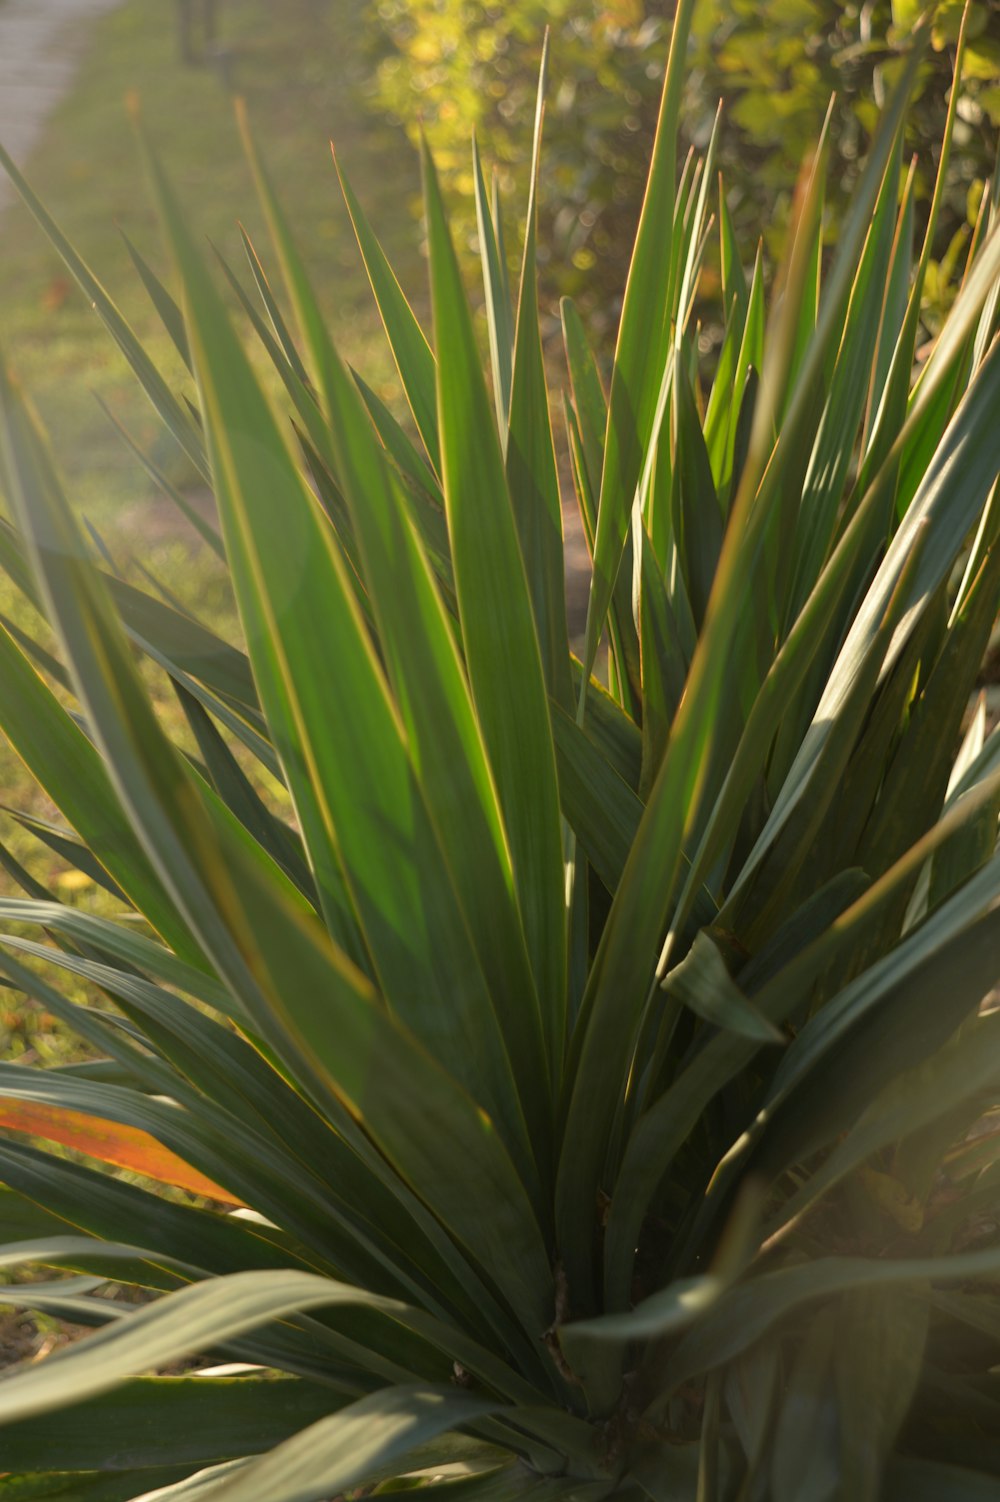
<point>564,1107</point>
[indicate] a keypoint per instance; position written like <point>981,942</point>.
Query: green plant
<point>591,1092</point>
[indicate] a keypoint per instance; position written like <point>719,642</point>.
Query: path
<point>40,46</point>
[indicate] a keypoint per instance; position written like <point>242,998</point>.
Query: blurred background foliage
<point>773,63</point>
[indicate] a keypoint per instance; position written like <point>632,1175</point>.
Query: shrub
<point>591,1091</point>
<point>775,64</point>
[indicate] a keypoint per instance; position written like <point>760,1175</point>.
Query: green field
<point>302,69</point>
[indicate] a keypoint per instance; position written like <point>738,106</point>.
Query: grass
<point>301,68</point>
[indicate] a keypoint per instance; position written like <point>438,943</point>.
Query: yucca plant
<point>592,1090</point>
